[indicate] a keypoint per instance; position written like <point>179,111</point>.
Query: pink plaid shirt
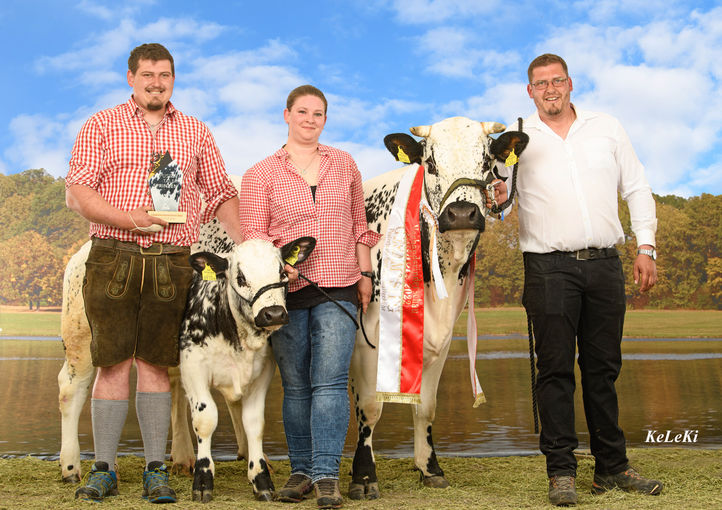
<point>112,155</point>
<point>277,205</point>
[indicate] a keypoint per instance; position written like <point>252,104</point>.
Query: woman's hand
<point>291,272</point>
<point>363,290</point>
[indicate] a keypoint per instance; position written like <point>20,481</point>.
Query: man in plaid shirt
<point>137,272</point>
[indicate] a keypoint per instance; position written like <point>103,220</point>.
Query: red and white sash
<point>401,315</point>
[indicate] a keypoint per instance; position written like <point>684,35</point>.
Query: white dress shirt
<point>567,188</point>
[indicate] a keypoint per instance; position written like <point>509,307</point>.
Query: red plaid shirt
<point>277,205</point>
<point>112,155</point>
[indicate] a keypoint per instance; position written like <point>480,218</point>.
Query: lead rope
<point>533,374</point>
<point>342,309</point>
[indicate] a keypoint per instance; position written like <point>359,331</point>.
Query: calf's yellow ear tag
<point>292,257</point>
<point>209,274</point>
<point>401,156</point>
<point>511,159</point>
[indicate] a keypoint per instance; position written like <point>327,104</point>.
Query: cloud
<point>436,11</point>
<point>40,142</point>
<point>101,51</point>
<point>113,10</point>
<point>662,80</point>
<point>455,52</point>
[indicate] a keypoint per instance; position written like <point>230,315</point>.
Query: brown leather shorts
<point>134,301</point>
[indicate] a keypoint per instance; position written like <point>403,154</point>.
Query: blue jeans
<point>313,352</point>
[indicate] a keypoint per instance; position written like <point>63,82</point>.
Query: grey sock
<point>153,411</point>
<point>108,419</point>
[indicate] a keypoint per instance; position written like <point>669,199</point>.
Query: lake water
<point>665,385</point>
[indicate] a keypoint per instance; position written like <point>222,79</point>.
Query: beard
<point>155,106</point>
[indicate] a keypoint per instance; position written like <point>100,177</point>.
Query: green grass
<point>29,323</point>
<point>491,321</point>
<point>637,323</point>
<point>692,478</point>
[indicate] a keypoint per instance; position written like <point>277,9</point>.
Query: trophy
<point>165,180</point>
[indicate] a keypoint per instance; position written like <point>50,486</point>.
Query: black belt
<point>153,249</point>
<point>590,253</point>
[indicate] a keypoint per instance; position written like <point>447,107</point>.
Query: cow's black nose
<point>271,316</point>
<point>461,215</point>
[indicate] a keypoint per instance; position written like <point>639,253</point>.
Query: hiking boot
<point>327,493</point>
<point>296,489</point>
<point>155,484</point>
<point>562,491</point>
<point>628,480</point>
<point>101,483</point>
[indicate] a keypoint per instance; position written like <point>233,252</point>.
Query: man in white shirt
<point>567,185</point>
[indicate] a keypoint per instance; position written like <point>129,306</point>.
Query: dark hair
<point>546,60</point>
<point>150,51</point>
<point>306,90</point>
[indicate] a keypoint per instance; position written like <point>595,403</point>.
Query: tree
<point>499,263</point>
<point>31,271</point>
<point>714,280</point>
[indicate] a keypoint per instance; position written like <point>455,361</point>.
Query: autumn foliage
<point>38,234</point>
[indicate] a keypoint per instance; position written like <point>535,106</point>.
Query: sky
<point>384,66</point>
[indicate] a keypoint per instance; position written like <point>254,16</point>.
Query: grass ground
<point>692,478</point>
<point>491,321</point>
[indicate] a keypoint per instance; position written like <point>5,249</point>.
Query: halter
<point>264,289</point>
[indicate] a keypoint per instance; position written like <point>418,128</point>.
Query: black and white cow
<point>458,157</point>
<point>76,375</point>
<point>224,345</point>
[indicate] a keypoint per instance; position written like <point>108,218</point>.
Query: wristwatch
<point>645,251</point>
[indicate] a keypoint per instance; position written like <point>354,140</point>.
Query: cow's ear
<point>502,146</point>
<point>404,148</point>
<point>201,260</point>
<point>297,251</point>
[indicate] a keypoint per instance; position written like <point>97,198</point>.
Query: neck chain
<point>302,171</point>
<point>153,125</point>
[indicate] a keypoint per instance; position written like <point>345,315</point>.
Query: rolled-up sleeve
<point>86,159</point>
<point>212,178</point>
<point>361,231</point>
<point>255,209</point>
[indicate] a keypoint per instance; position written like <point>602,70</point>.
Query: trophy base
<point>170,216</point>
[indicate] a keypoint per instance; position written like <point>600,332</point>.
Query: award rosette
<point>165,182</point>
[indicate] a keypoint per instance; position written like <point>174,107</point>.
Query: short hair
<point>546,60</point>
<point>306,90</point>
<point>150,51</point>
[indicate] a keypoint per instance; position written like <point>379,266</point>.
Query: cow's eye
<point>241,280</point>
<point>430,166</point>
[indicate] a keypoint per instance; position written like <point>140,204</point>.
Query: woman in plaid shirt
<point>309,189</point>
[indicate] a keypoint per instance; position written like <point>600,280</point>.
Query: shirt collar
<point>282,153</point>
<point>534,121</point>
<point>135,111</point>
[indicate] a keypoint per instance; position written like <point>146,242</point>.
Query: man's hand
<point>645,271</point>
<point>500,193</point>
<point>143,223</point>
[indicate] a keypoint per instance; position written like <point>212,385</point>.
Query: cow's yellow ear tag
<point>292,257</point>
<point>209,274</point>
<point>401,156</point>
<point>512,159</point>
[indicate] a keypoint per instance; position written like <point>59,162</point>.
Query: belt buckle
<point>159,252</point>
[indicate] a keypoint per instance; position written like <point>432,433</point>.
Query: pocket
<point>118,284</point>
<point>164,288</point>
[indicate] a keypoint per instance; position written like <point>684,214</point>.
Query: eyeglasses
<point>543,84</point>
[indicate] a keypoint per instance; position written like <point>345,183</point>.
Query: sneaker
<point>101,482</point>
<point>562,491</point>
<point>628,480</point>
<point>155,484</point>
<point>327,493</point>
<point>296,488</point>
